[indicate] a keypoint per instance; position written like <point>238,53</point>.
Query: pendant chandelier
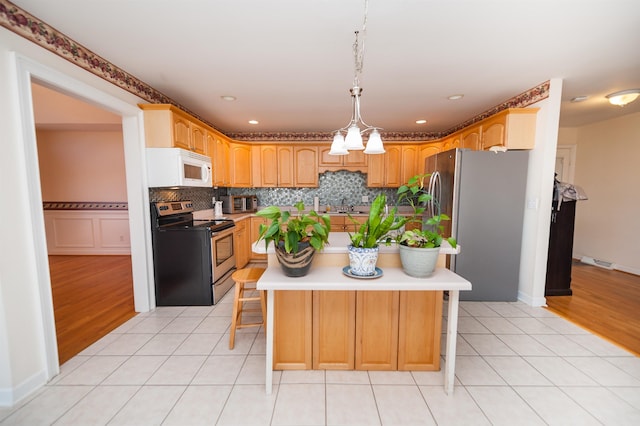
<point>357,127</point>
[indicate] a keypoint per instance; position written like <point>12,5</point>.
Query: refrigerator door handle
<point>435,189</point>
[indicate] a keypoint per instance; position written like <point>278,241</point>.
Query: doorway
<point>86,222</point>
<point>99,93</point>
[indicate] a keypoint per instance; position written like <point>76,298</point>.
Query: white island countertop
<point>332,278</point>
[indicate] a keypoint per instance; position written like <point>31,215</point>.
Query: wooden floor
<point>604,302</point>
<point>92,295</point>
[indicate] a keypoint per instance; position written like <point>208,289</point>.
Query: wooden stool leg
<point>234,316</point>
<point>263,305</point>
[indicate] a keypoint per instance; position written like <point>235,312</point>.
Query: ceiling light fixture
<point>579,99</point>
<point>421,121</point>
<point>253,121</point>
<point>357,127</point>
<point>228,98</point>
<point>624,97</point>
<point>455,97</point>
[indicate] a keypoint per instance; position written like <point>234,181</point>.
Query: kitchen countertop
<point>338,242</point>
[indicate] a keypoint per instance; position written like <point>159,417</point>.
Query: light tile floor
<point>516,365</point>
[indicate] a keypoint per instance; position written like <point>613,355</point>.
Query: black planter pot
<point>295,264</point>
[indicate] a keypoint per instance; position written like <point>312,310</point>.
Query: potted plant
<point>420,247</point>
<point>364,247</point>
<point>296,237</point>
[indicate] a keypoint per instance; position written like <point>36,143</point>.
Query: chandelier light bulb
<point>338,146</point>
<point>353,141</point>
<point>374,145</point>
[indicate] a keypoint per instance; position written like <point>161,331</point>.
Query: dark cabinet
<point>560,251</point>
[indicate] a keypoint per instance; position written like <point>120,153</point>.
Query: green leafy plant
<point>377,226</point>
<point>292,229</point>
<point>429,236</point>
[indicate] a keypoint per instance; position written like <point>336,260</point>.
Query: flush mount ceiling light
<point>624,97</point>
<point>579,99</point>
<point>357,127</point>
<point>253,121</point>
<point>228,98</point>
<point>421,121</point>
<point>455,97</point>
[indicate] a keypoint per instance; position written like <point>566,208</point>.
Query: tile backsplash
<point>333,188</point>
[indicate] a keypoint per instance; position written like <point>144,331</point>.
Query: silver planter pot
<point>418,262</point>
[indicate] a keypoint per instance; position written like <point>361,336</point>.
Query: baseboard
<point>536,302</point>
<point>11,396</point>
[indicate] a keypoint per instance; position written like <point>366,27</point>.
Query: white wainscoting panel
<point>92,232</point>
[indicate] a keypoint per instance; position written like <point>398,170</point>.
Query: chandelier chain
<point>358,47</point>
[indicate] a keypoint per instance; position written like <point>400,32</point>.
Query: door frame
<point>567,154</point>
<point>136,182</point>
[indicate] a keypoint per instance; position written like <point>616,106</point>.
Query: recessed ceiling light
<point>581,98</point>
<point>228,98</point>
<point>253,121</point>
<point>421,121</point>
<point>455,97</point>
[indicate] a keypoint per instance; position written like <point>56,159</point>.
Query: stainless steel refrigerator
<point>484,194</point>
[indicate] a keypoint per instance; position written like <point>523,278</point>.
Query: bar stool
<point>242,277</point>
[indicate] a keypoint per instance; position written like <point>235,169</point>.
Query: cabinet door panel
<point>377,330</point>
<point>269,166</point>
<point>285,166</point>
<point>334,323</point>
<point>306,166</point>
<point>292,330</point>
<point>419,330</point>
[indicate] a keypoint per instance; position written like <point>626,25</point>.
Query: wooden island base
<point>326,320</point>
<point>357,330</point>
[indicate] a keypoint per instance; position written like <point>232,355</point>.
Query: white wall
<point>27,333</point>
<point>81,165</point>
<point>607,168</point>
<point>537,217</point>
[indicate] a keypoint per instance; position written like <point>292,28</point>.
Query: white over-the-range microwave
<point>168,167</point>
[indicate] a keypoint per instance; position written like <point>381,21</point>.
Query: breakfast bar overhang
<point>326,275</point>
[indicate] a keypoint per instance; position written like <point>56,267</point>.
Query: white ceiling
<point>290,62</point>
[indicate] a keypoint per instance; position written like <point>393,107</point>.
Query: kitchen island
<point>327,320</point>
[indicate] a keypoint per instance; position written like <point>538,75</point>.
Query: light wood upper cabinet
<point>240,165</point>
<point>410,157</point>
<point>273,166</point>
<point>355,161</point>
<point>306,166</point>
<point>394,167</point>
<point>470,138</point>
<point>219,159</point>
<point>166,126</point>
<point>514,128</point>
<point>198,138</point>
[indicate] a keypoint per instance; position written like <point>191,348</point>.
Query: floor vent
<point>597,262</point>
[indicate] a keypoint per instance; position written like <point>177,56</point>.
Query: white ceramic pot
<point>362,261</point>
<point>418,262</point>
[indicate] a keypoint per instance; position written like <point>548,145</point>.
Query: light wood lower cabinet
<point>365,330</point>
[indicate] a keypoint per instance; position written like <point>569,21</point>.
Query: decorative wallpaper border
<point>85,205</point>
<point>30,27</point>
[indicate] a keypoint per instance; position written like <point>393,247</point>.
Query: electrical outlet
<point>365,198</point>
